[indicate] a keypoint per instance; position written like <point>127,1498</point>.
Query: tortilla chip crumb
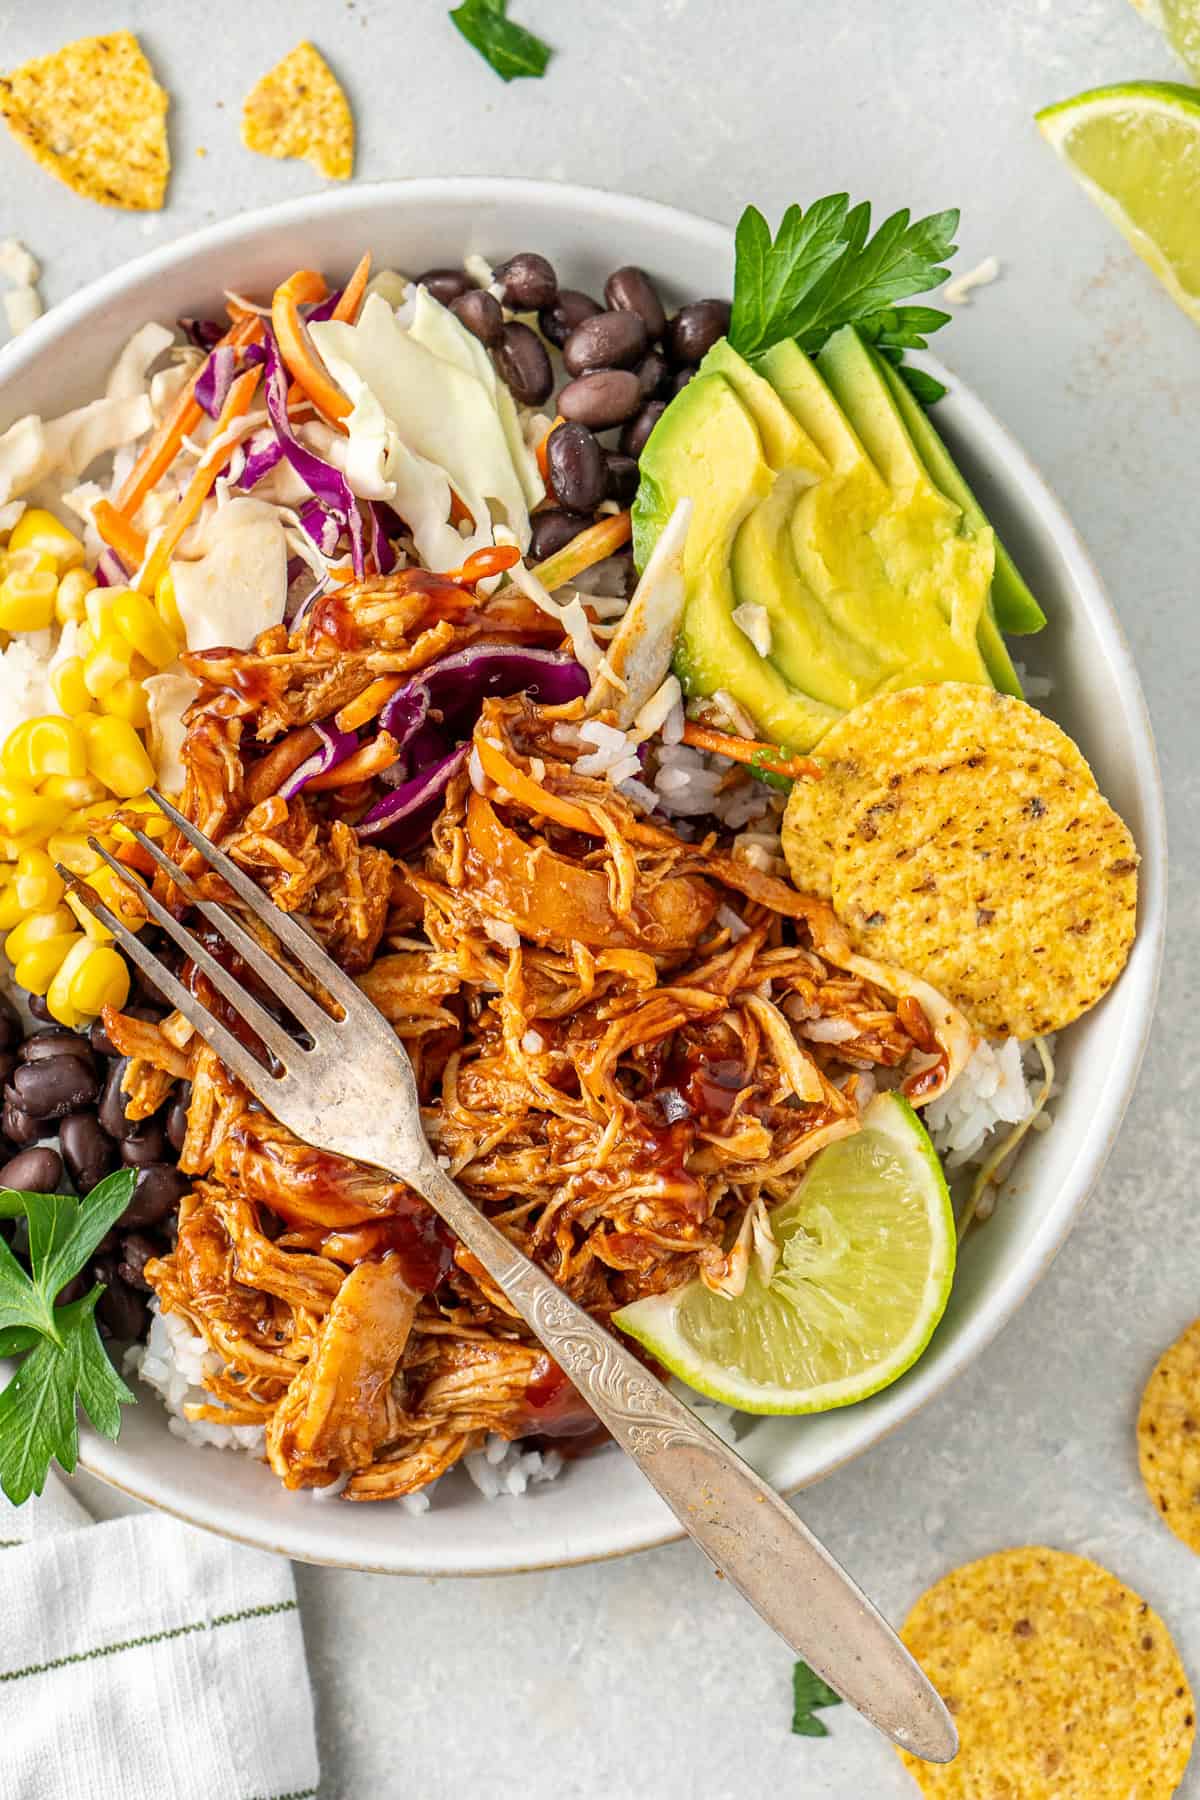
<point>1168,1434</point>
<point>93,114</point>
<point>1061,1680</point>
<point>298,109</point>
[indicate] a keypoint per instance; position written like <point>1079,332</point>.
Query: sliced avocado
<point>706,447</point>
<point>1015,607</point>
<point>786,445</point>
<point>796,380</point>
<point>855,375</point>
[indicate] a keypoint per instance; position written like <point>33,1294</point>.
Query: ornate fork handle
<point>750,1534</point>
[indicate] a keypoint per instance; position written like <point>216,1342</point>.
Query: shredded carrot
<point>237,404</point>
<point>492,560</point>
<point>280,761</point>
<point>301,361</point>
<point>537,799</point>
<point>591,546</point>
<point>543,447</point>
<point>183,417</point>
<point>367,760</point>
<point>460,513</point>
<point>117,532</point>
<point>346,310</point>
<point>369,704</point>
<point>749,750</point>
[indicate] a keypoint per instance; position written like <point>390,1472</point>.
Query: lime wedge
<point>1136,150</point>
<point>866,1261</point>
<point>1179,22</point>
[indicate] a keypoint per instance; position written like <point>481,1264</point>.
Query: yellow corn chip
<point>1168,1433</point>
<point>298,109</point>
<point>1063,1683</point>
<point>93,114</point>
<point>1005,879</point>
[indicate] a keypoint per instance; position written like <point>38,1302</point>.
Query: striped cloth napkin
<point>144,1659</point>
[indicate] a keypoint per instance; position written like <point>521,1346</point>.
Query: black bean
<point>694,330</point>
<point>445,284</point>
<point>38,1171</point>
<point>49,1090</point>
<point>633,438</point>
<point>159,1189</point>
<point>528,280</point>
<point>88,1151</point>
<point>622,474</point>
<point>120,1309</point>
<point>40,1011</point>
<point>608,340</point>
<point>557,322</point>
<point>10,1024</point>
<point>154,1002</point>
<point>575,471</point>
<point>112,1102</point>
<point>100,1041</point>
<point>654,375</point>
<point>177,1117</point>
<point>480,312</point>
<point>16,1124</point>
<point>136,1252</point>
<point>56,1040</point>
<point>681,380</point>
<point>8,1062</point>
<point>146,1145</point>
<point>524,364</point>
<point>552,530</point>
<point>605,397</point>
<point>631,290</point>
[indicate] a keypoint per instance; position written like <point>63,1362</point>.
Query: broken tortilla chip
<point>93,114</point>
<point>1168,1434</point>
<point>1003,878</point>
<point>1063,1683</point>
<point>298,109</point>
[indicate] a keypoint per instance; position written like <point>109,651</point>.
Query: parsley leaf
<point>809,1695</point>
<point>824,269</point>
<point>64,1359</point>
<point>507,46</point>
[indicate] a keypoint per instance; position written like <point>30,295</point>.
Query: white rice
<point>173,1361</point>
<point>504,1468</point>
<point>996,1087</point>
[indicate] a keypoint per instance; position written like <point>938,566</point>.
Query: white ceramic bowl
<point>601,1506</point>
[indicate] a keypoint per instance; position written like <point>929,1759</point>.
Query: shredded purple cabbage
<point>110,570</point>
<point>334,748</point>
<point>263,452</point>
<point>322,527</point>
<point>382,549</point>
<point>402,818</point>
<point>328,484</point>
<point>456,686</point>
<point>205,334</point>
<point>215,379</point>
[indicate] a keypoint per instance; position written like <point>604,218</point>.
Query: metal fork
<point>351,1090</point>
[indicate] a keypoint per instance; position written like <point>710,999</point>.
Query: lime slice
<point>1136,150</point>
<point>1179,22</point>
<point>866,1261</point>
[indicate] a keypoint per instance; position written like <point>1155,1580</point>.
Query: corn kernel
<point>93,980</point>
<point>35,928</point>
<point>39,965</point>
<point>11,910</point>
<point>70,688</point>
<point>12,846</point>
<point>137,621</point>
<point>107,664</point>
<point>127,700</point>
<point>22,810</point>
<point>74,790</point>
<point>73,589</point>
<point>44,746</point>
<point>168,610</point>
<point>27,600</point>
<point>99,610</point>
<point>117,756</point>
<point>85,640</point>
<point>117,896</point>
<point>27,562</point>
<point>37,884</point>
<point>142,812</point>
<point>38,529</point>
<point>72,850</point>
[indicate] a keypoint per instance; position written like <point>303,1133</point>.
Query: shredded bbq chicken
<point>627,1047</point>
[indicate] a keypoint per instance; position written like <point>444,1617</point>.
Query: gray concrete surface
<point>646,1677</point>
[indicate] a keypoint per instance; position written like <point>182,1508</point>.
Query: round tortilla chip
<point>1168,1434</point>
<point>942,719</point>
<point>93,114</point>
<point>298,109</point>
<point>1063,1683</point>
<point>1005,880</point>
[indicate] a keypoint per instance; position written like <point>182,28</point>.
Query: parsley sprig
<point>824,269</point>
<point>63,1362</point>
<point>505,45</point>
<point>809,1695</point>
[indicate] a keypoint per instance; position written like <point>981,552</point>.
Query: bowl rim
<point>103,1459</point>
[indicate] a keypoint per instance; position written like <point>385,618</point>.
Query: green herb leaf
<point>506,46</point>
<point>809,1695</point>
<point>824,270</point>
<point>64,1359</point>
<point>927,388</point>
